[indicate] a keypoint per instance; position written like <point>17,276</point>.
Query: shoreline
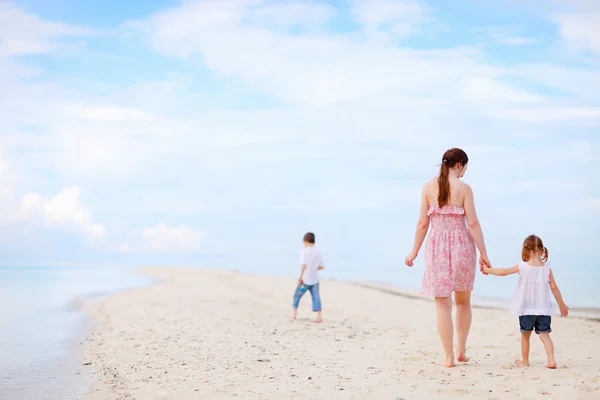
<point>477,302</point>
<point>44,325</point>
<point>206,333</point>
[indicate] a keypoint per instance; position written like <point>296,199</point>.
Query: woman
<point>450,257</point>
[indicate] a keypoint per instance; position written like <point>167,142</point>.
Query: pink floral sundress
<point>450,256</point>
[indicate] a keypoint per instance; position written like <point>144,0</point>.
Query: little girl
<point>531,301</point>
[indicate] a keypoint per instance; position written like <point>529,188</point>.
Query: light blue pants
<point>314,294</point>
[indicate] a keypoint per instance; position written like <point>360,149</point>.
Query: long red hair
<point>450,159</point>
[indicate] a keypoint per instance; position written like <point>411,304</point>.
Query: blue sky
<point>215,133</point>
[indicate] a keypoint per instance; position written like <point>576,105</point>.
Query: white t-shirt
<point>533,295</point>
<point>313,260</point>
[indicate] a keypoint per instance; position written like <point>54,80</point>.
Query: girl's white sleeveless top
<point>533,295</point>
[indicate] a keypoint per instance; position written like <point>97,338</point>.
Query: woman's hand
<point>484,262</point>
<point>410,258</point>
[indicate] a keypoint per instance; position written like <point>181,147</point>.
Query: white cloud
<point>64,210</point>
<point>311,69</point>
<point>580,30</point>
<point>290,14</point>
<point>401,17</point>
<point>357,113</point>
<point>107,113</point>
<point>6,181</point>
<point>505,35</point>
<point>163,237</point>
<point>549,114</point>
<point>490,91</point>
<point>517,40</point>
<point>578,84</point>
<point>6,192</point>
<point>23,33</point>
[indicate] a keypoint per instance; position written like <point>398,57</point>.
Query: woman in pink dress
<point>450,259</point>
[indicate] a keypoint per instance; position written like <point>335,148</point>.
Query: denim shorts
<point>314,293</point>
<point>541,323</point>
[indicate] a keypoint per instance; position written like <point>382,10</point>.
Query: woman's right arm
<point>474,226</point>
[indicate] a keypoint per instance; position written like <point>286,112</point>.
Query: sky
<point>216,133</point>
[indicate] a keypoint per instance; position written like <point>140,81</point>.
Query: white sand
<point>206,334</point>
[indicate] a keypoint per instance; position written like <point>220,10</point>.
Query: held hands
<point>321,268</point>
<point>564,310</point>
<point>410,258</point>
<point>484,264</point>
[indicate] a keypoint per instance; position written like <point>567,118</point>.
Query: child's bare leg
<point>525,344</point>
<point>549,346</point>
<point>294,313</point>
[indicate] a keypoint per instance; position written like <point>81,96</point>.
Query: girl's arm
<point>564,310</point>
<point>501,271</point>
<point>422,227</point>
<point>474,226</point>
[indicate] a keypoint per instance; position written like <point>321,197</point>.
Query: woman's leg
<point>316,301</point>
<point>463,323</point>
<point>445,328</point>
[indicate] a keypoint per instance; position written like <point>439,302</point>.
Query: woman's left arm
<point>422,227</point>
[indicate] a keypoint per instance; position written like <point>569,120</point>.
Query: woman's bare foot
<point>521,363</point>
<point>462,358</point>
<point>449,363</point>
<point>294,314</point>
<point>551,365</point>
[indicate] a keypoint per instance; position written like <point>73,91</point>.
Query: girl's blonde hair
<point>531,244</point>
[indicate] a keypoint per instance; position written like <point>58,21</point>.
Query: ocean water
<point>41,321</point>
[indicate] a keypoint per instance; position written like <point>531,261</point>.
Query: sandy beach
<point>204,334</point>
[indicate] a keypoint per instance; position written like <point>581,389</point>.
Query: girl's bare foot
<point>294,314</point>
<point>462,358</point>
<point>551,365</point>
<point>449,363</point>
<point>521,363</point>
